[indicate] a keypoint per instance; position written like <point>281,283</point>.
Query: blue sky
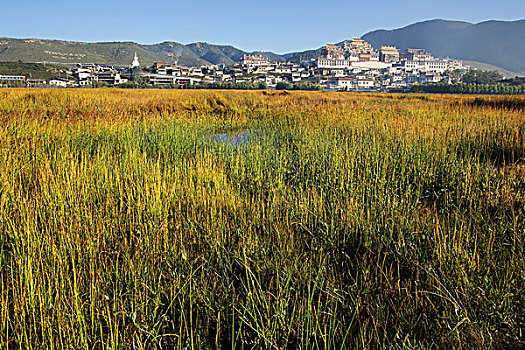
<point>274,25</point>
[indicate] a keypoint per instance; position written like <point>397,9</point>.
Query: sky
<point>280,26</point>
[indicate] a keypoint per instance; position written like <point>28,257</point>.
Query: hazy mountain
<point>120,53</point>
<point>497,43</point>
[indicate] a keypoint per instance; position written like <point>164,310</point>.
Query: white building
<point>346,83</point>
<point>254,61</point>
<point>372,64</point>
<point>365,83</point>
<point>411,65</point>
<point>162,79</point>
<point>82,73</point>
<point>58,82</point>
<point>270,80</point>
<point>436,66</point>
<point>36,82</point>
<point>19,78</point>
<point>336,63</point>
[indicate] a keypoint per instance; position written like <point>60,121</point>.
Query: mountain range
<point>496,43</point>
<point>120,53</point>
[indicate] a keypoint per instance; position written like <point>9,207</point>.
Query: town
<point>352,65</point>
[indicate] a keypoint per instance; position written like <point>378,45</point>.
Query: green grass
<point>346,221</point>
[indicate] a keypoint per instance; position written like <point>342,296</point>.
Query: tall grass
<point>342,221</point>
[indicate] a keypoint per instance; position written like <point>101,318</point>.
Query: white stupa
<point>135,61</point>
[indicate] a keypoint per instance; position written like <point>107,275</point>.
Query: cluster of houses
<point>85,75</point>
<point>21,80</point>
<point>251,69</point>
<point>356,65</point>
<point>351,65</point>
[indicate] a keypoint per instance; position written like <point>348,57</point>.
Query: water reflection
<point>236,139</point>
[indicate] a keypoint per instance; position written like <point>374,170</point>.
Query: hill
<point>226,54</point>
<point>120,53</point>
<point>216,53</point>
<point>32,70</point>
<point>301,56</point>
<point>489,67</point>
<point>497,43</point>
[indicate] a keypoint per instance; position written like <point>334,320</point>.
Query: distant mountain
<point>120,53</point>
<point>497,43</point>
<point>216,53</point>
<point>301,56</point>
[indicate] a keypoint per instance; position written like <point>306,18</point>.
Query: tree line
<point>471,88</point>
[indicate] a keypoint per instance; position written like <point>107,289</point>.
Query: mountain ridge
<point>493,42</point>
<point>120,53</point>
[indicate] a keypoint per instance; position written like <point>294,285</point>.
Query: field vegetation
<point>463,88</point>
<point>260,219</point>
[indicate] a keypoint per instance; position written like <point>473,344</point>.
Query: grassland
<point>340,221</point>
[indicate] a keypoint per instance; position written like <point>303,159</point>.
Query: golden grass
<point>343,220</point>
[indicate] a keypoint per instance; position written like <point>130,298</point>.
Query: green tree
<point>134,74</point>
<point>283,85</point>
<point>475,76</point>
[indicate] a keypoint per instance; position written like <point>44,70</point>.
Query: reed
<point>227,219</point>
